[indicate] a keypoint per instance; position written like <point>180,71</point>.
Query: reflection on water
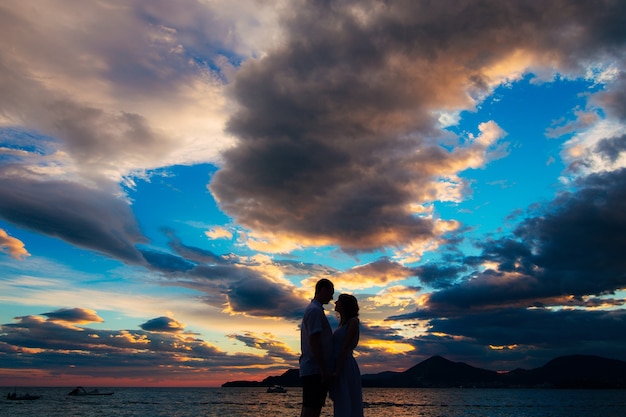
<point>495,402</point>
<point>387,402</point>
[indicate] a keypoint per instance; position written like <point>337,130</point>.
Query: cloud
<point>613,148</point>
<point>438,276</point>
<point>98,97</point>
<point>268,342</point>
<point>548,332</point>
<point>166,262</point>
<point>87,217</point>
<point>532,295</point>
<point>258,296</point>
<point>123,354</point>
<point>379,273</point>
<point>163,324</point>
<point>74,315</point>
<point>14,247</point>
<point>397,295</point>
<point>125,94</point>
<point>614,99</point>
<point>253,287</point>
<point>219,232</point>
<point>571,247</point>
<point>597,149</point>
<point>554,282</point>
<point>501,339</point>
<point>295,268</point>
<point>337,128</point>
<point>193,254</point>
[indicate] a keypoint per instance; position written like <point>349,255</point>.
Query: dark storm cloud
<point>74,315</point>
<point>87,217</point>
<point>572,247</point>
<point>579,242</point>
<point>541,328</point>
<point>528,336</point>
<point>336,129</point>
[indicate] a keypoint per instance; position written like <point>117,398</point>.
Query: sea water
<point>379,402</point>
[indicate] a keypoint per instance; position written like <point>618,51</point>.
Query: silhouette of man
<point>316,343</point>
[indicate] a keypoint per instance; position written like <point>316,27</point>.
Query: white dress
<point>346,391</point>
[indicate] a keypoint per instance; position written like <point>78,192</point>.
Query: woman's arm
<point>352,337</point>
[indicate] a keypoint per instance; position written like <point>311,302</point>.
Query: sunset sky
<point>175,176</point>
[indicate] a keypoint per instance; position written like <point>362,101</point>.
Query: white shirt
<point>314,321</point>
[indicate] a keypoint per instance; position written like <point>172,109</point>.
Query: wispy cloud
<point>84,216</point>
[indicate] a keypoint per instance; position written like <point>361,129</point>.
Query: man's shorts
<point>313,391</point>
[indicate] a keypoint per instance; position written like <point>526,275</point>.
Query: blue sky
<point>175,177</point>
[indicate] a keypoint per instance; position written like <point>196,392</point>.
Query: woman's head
<point>348,307</point>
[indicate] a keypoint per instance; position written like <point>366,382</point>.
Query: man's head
<point>324,290</point>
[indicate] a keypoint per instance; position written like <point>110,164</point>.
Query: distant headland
<point>575,371</point>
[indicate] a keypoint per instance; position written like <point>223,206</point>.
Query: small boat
<point>276,389</point>
<point>13,396</point>
<point>80,391</point>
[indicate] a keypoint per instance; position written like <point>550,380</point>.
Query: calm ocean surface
<point>149,402</point>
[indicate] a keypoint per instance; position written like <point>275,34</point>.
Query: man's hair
<point>323,283</point>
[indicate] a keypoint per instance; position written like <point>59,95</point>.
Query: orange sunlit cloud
<point>14,247</point>
<point>375,274</point>
<point>389,347</point>
<point>396,296</point>
<point>507,347</point>
<point>219,232</point>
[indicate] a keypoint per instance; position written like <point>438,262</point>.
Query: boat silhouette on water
<point>13,396</point>
<point>276,389</point>
<point>80,391</point>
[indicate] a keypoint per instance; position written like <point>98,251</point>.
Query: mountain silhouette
<point>290,378</point>
<point>574,371</point>
<point>433,372</point>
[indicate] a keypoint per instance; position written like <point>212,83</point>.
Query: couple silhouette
<point>327,365</point>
